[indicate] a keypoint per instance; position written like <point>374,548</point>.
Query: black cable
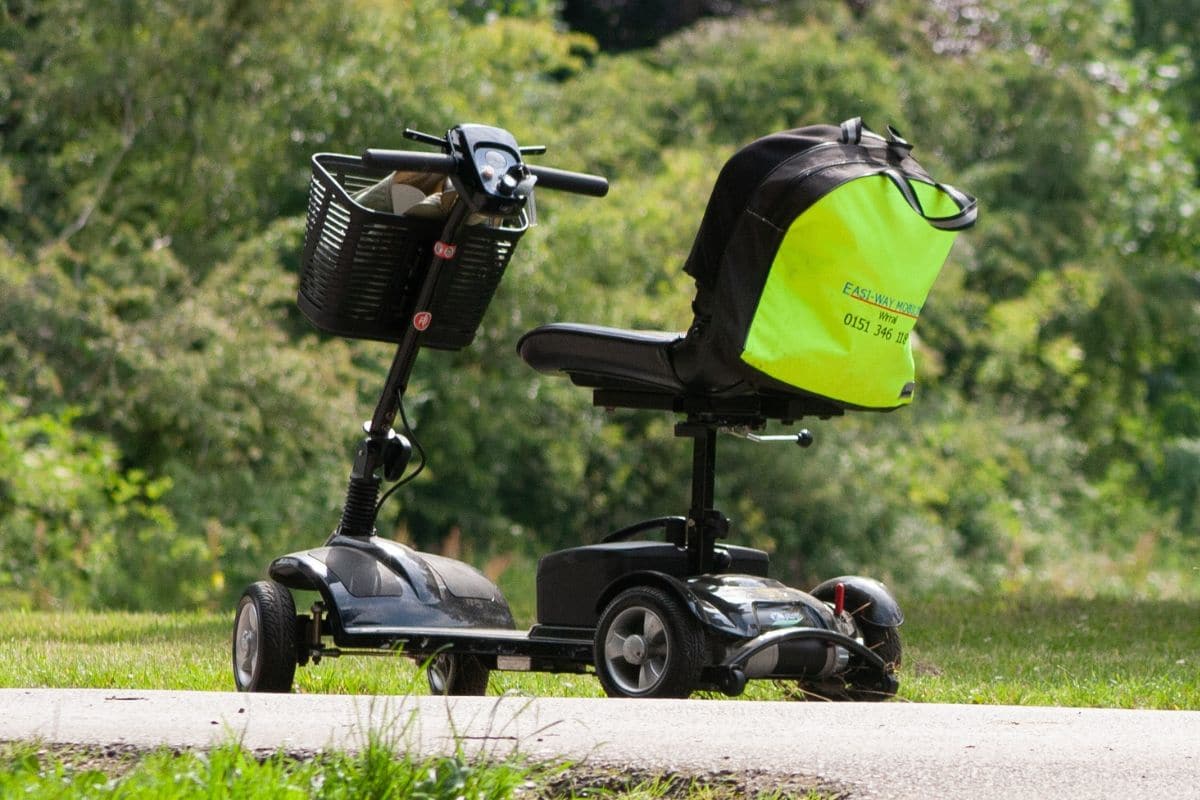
<point>416,443</point>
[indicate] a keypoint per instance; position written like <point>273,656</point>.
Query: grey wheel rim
<point>440,674</point>
<point>636,650</point>
<point>247,635</point>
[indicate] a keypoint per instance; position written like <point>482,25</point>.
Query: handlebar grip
<point>409,160</point>
<point>548,177</point>
<point>577,182</point>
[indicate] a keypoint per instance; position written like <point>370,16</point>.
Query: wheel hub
<point>247,645</point>
<point>634,650</point>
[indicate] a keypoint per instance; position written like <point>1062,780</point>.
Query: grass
<point>380,771</point>
<point>230,771</point>
<point>1065,652</point>
<point>1016,649</point>
<point>1009,650</point>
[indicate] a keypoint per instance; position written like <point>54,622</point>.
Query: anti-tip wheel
<point>866,685</point>
<point>458,675</point>
<point>648,645</point>
<point>265,640</point>
<point>862,683</point>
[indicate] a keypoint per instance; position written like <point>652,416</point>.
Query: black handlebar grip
<point>577,182</point>
<point>548,177</point>
<point>410,160</point>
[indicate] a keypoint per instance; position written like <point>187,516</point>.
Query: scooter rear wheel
<point>648,645</point>
<point>458,675</point>
<point>265,639</point>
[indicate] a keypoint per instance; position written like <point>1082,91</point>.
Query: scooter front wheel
<point>265,639</point>
<point>648,645</point>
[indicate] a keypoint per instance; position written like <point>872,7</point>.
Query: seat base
<point>633,369</point>
<point>746,409</point>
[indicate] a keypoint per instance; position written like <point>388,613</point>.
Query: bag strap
<point>852,130</point>
<point>897,144</point>
<point>899,148</point>
<point>967,204</point>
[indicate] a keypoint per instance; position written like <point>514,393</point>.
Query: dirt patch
<point>585,781</point>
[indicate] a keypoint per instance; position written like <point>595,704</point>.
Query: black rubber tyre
<point>457,675</point>
<point>648,645</point>
<point>265,639</point>
<point>866,685</point>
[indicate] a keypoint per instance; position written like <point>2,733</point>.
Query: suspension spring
<point>358,515</point>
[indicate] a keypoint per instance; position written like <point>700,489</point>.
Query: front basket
<point>362,269</point>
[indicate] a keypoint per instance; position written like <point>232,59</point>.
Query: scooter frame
<point>605,606</point>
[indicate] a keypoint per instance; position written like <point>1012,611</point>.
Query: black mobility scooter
<point>663,607</point>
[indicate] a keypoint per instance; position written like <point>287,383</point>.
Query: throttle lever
<point>427,138</point>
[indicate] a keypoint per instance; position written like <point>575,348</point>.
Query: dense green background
<point>169,422</point>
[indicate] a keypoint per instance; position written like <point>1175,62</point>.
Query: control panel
<point>500,181</point>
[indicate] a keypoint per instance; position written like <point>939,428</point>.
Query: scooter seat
<point>601,357</point>
<point>638,369</point>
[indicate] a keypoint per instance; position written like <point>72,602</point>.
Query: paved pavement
<point>892,750</point>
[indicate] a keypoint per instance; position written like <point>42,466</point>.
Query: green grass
<point>380,771</point>
<point>229,771</point>
<point>1066,652</point>
<point>1011,650</point>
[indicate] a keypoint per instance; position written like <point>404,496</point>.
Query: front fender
<point>301,571</point>
<point>364,594</point>
<point>866,598</point>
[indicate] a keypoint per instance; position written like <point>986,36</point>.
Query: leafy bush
<point>151,218</point>
<point>79,530</point>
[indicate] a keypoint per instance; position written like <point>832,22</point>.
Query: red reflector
<point>839,599</point>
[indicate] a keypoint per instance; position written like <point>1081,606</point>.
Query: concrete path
<point>892,750</point>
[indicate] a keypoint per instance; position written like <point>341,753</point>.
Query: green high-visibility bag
<point>828,263</point>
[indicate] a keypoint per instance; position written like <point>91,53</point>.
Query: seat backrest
<point>813,260</point>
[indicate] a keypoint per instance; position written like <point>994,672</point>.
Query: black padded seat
<point>633,369</point>
<point>597,356</point>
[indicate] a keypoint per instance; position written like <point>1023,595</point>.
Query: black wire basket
<point>362,269</point>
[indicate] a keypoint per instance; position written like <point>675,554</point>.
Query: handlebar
<point>577,182</point>
<point>409,160</point>
<point>548,177</point>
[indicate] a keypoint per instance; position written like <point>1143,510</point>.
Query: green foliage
<point>735,80</point>
<point>79,530</point>
<point>151,200</point>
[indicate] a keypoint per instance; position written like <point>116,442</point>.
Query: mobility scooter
<point>663,607</point>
